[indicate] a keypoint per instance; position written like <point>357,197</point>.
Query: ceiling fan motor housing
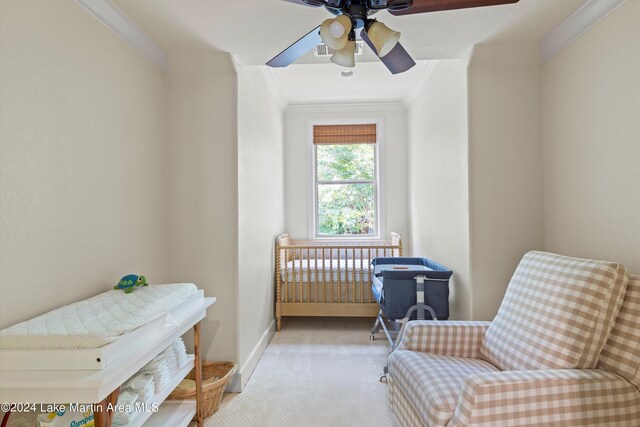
<point>377,4</point>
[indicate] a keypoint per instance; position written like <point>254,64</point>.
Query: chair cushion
<point>557,313</point>
<point>432,383</point>
<point>621,354</point>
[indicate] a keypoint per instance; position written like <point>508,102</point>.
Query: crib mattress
<point>97,321</point>
<point>338,271</point>
<point>329,264</point>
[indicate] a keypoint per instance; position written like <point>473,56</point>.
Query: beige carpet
<point>315,372</point>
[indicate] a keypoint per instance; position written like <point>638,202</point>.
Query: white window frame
<point>378,182</point>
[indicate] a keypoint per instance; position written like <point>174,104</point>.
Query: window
<point>345,181</point>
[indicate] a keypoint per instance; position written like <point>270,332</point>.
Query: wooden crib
<point>328,278</point>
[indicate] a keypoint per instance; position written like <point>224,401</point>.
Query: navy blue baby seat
<point>394,286</point>
<point>398,284</point>
<point>408,289</point>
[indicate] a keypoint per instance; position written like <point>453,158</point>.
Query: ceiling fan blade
<point>312,3</point>
<point>397,60</point>
<point>296,50</point>
<point>423,6</point>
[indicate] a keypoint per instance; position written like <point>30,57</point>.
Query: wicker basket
<point>211,392</point>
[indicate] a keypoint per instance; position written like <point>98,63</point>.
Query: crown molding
<point>425,72</point>
<point>119,22</point>
<point>576,24</point>
<point>274,87</point>
<point>341,107</point>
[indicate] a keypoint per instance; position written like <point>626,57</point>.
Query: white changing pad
<point>97,321</point>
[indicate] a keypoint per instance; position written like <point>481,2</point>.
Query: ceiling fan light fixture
<point>335,32</point>
<point>383,38</point>
<point>345,56</point>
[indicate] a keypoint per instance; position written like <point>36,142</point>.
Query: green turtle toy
<point>130,281</point>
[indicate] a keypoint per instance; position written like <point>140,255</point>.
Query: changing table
<point>94,375</point>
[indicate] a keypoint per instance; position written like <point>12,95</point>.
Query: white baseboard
<point>244,373</point>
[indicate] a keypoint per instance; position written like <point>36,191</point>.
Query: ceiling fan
<point>339,33</point>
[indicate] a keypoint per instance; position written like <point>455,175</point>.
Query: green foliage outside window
<point>346,208</point>
<point>346,162</point>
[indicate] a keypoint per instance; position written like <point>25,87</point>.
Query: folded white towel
<point>143,384</point>
<point>172,361</point>
<point>159,368</point>
<point>180,351</point>
<point>126,402</point>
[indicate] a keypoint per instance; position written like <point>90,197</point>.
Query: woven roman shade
<point>344,134</point>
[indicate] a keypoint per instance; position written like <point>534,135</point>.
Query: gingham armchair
<point>564,350</point>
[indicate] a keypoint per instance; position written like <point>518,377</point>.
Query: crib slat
<point>344,281</point>
<point>331,299</point>
<point>324,277</point>
<point>293,277</point>
<point>369,276</point>
<point>301,272</point>
<point>339,279</point>
<point>361,275</point>
<point>355,279</point>
<point>286,275</point>
<point>353,274</point>
<point>309,283</point>
<point>316,264</point>
<point>347,279</point>
<point>279,273</point>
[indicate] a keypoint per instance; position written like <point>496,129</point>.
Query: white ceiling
<point>257,30</point>
<point>322,83</point>
<point>254,31</point>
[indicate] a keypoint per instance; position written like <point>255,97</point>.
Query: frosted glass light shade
<point>383,38</point>
<point>331,27</point>
<point>345,56</point>
<point>336,30</point>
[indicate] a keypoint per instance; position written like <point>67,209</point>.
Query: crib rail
<point>329,274</point>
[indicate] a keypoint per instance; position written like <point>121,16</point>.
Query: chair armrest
<point>447,337</point>
<point>547,397</point>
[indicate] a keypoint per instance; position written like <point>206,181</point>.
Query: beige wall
<point>83,165</point>
<point>505,167</point>
<point>298,167</point>
<point>592,142</point>
<point>438,176</point>
<point>261,207</point>
<point>204,188</point>
<point>109,166</point>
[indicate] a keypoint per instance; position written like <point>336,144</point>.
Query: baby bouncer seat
<point>408,289</point>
